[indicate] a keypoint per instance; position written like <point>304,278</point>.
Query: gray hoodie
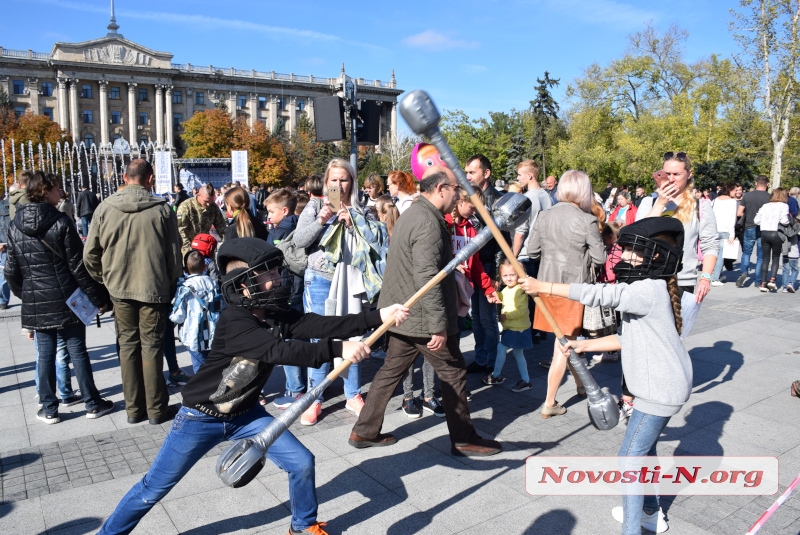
<point>657,368</point>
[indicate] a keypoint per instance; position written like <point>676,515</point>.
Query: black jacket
<point>490,254</point>
<point>43,279</point>
<point>86,203</point>
<point>180,197</point>
<point>241,339</point>
<point>4,220</point>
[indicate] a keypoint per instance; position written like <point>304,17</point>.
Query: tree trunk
<point>777,162</point>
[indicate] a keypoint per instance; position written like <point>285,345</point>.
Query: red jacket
<point>630,215</point>
<point>474,268</point>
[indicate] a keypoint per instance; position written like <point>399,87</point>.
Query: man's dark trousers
<point>140,330</point>
<point>449,365</point>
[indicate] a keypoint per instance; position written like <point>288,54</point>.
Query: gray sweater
<point>657,368</point>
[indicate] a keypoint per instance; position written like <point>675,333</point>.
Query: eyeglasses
<point>680,156</point>
<point>455,187</point>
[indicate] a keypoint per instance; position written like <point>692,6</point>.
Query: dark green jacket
<point>17,199</point>
<point>421,247</point>
<point>133,246</point>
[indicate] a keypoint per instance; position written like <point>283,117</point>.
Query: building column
<point>170,127</point>
<point>252,108</point>
<point>310,108</point>
<point>73,110</point>
<point>394,121</point>
<point>63,105</point>
<point>273,113</point>
<point>33,93</point>
<point>189,104</point>
<point>232,104</point>
<point>159,115</point>
<point>132,118</point>
<point>292,116</point>
<point>104,140</point>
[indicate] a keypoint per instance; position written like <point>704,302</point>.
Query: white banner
<point>163,171</point>
<point>239,167</point>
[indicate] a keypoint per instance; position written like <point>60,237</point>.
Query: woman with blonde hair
<point>343,274</point>
<point>566,239</point>
<point>676,199</point>
<point>387,212</point>
<point>243,224</point>
<point>402,186</point>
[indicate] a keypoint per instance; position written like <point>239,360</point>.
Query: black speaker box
<point>329,118</point>
<point>368,128</point>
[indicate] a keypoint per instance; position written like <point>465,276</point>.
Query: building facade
<point>111,88</point>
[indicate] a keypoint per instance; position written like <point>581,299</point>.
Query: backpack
<point>296,257</point>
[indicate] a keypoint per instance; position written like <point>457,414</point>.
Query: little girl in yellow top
<point>517,334</point>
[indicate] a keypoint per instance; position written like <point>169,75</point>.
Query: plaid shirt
<point>194,219</point>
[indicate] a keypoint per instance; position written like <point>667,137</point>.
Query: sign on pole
<point>239,167</point>
<point>163,171</point>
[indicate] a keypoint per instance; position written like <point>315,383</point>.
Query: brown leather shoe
<point>479,447</point>
<point>383,439</point>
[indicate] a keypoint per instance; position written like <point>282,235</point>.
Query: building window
<point>48,112</point>
<point>19,87</point>
<point>88,139</point>
<point>177,97</point>
<point>47,89</point>
<point>143,139</point>
<point>19,111</point>
<point>177,119</point>
<point>281,103</point>
<point>143,118</point>
<point>301,105</point>
<point>114,95</point>
<point>116,117</point>
<point>87,116</point>
<point>200,98</point>
<point>262,103</point>
<point>143,95</point>
<point>242,101</point>
<point>86,91</point>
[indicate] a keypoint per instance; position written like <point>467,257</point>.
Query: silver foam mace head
<point>420,113</point>
<point>512,209</point>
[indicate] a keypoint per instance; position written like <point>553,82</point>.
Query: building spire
<point>112,25</point>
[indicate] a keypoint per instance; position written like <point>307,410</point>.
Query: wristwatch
<point>706,276</point>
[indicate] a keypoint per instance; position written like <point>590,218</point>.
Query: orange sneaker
<point>315,529</point>
<point>355,404</point>
<point>310,415</point>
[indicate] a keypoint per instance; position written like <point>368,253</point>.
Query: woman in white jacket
<point>772,214</point>
<point>724,207</point>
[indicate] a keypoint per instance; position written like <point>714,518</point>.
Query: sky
<point>475,56</point>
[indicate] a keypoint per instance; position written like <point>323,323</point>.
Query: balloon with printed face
<point>423,157</point>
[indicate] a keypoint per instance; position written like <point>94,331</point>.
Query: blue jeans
<point>47,342</point>
<point>198,358</point>
<point>789,271</point>
<point>315,293</point>
<point>295,382</point>
<point>723,237</point>
<point>752,237</point>
<point>85,221</point>
<point>484,327</point>
<point>191,436</point>
<point>5,290</point>
<point>63,374</point>
<point>519,355</point>
<point>640,440</point>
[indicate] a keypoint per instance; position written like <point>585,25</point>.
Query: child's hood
<point>288,222</point>
<point>201,283</point>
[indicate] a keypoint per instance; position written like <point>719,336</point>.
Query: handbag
<point>465,291</point>
<point>598,321</point>
<point>567,313</point>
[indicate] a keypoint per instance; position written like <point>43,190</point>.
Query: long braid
<point>675,298</point>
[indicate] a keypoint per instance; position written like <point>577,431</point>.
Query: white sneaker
<point>655,522</point>
<point>717,283</point>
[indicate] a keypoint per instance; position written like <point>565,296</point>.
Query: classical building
<point>111,88</point>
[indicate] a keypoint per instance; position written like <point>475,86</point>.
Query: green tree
<point>516,153</point>
<point>545,109</point>
<point>208,134</point>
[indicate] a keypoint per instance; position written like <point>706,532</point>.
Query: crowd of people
<point>254,278</point>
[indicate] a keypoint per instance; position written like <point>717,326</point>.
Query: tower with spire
<point>112,25</point>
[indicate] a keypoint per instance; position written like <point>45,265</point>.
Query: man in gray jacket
<point>133,248</point>
<point>421,248</point>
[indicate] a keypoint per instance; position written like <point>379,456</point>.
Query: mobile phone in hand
<point>335,198</point>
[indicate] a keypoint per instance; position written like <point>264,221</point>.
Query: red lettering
<point>576,476</point>
<point>629,476</point>
<point>594,478</point>
<point>643,475</point>
<point>690,478</point>
<point>550,472</point>
<point>735,475</point>
<point>720,476</point>
<point>612,477</point>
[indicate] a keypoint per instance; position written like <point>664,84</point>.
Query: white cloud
<point>205,21</point>
<point>433,40</point>
<point>473,70</point>
<point>619,13</point>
